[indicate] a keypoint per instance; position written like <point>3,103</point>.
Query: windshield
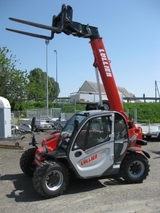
<point>71,126</point>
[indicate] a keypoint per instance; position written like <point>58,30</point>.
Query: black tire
<point>26,162</point>
<point>50,179</point>
<point>134,168</point>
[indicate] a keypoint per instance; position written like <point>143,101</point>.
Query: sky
<point>130,30</point>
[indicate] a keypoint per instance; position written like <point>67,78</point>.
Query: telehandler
<point>94,143</point>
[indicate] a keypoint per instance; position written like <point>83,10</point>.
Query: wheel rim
<point>54,180</point>
<point>136,169</point>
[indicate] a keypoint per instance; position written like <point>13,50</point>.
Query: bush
<point>145,111</point>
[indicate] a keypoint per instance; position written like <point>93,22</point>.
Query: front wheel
<point>134,168</point>
<point>50,179</point>
<point>26,162</point>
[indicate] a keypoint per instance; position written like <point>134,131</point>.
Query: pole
<point>99,87</point>
<point>47,42</point>
<point>56,66</point>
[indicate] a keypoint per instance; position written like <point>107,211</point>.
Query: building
<point>88,92</point>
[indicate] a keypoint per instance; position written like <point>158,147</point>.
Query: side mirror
<point>33,123</point>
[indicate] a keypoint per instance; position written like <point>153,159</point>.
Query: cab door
<point>92,151</point>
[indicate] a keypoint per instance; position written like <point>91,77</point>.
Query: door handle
<point>78,154</point>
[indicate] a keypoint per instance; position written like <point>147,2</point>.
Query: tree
<point>12,81</point>
<point>36,87</point>
<point>53,88</point>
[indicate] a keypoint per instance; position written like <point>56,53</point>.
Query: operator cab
<point>95,139</point>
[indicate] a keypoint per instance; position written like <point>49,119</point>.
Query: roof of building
<point>92,87</point>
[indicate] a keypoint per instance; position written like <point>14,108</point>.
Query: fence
<point>40,114</point>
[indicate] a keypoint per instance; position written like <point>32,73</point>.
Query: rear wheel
<point>134,168</point>
<point>26,162</point>
<point>50,179</point>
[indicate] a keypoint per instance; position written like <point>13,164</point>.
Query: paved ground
<point>88,196</point>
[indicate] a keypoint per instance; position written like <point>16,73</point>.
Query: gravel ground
<point>88,196</point>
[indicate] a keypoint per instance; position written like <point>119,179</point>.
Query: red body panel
<point>51,142</point>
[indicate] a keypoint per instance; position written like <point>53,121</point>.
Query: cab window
<point>121,135</point>
<point>120,127</point>
<point>94,132</point>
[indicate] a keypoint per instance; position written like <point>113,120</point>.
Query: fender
<point>137,149</point>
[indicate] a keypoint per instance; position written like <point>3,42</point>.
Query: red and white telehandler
<point>94,143</point>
